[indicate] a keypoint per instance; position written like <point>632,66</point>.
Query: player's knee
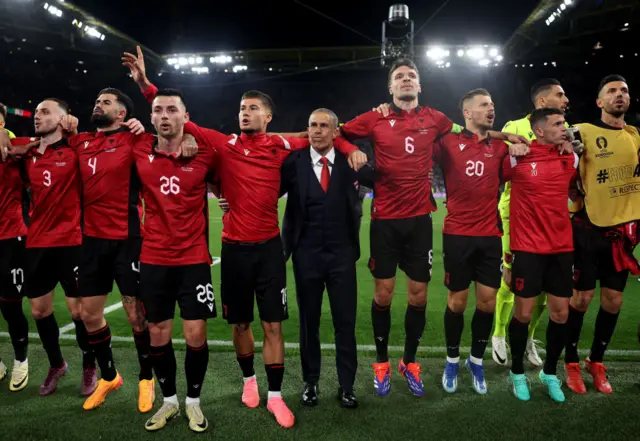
<point>611,301</point>
<point>136,320</point>
<point>457,303</point>
<point>195,336</point>
<point>92,319</point>
<point>242,329</point>
<point>486,305</point>
<point>272,331</point>
<point>418,297</point>
<point>159,333</point>
<point>39,313</point>
<point>383,295</point>
<point>559,316</point>
<point>582,299</point>
<point>522,316</point>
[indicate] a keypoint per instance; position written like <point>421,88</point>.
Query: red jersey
<point>175,204</point>
<point>110,182</point>
<point>403,145</point>
<point>472,174</point>
<point>55,195</point>
<point>539,190</point>
<point>11,192</point>
<point>249,177</point>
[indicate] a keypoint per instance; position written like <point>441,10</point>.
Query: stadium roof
<point>574,29</point>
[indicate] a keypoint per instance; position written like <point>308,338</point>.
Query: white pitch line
<point>107,310</point>
<point>329,346</point>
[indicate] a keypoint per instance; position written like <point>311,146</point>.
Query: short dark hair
<point>402,62</point>
<point>540,115</point>
<point>542,86</point>
<point>172,92</point>
<point>263,97</point>
<point>3,111</point>
<point>472,94</point>
<point>122,98</point>
<point>62,104</point>
<point>610,79</point>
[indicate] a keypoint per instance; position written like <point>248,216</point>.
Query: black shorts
<point>106,260</point>
<point>531,274</point>
<point>594,259</point>
<point>405,243</point>
<point>189,285</point>
<point>46,267</point>
<point>12,261</point>
<point>249,270</point>
<point>471,259</point>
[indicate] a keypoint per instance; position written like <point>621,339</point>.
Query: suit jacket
<point>294,181</point>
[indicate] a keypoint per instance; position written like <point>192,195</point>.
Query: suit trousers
<point>316,269</point>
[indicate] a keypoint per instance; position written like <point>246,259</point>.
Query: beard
<point>407,96</point>
<point>617,112</point>
<point>45,131</point>
<point>101,120</point>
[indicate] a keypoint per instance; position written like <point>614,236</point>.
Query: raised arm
<point>137,67</point>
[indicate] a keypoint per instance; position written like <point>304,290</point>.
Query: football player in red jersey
<point>112,234</point>
<point>54,238</point>
<point>13,232</point>
<point>112,237</point>
<point>541,244</point>
<point>253,266</point>
<point>175,261</point>
<point>471,162</point>
<point>402,134</point>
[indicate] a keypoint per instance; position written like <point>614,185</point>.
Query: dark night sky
<point>188,25</point>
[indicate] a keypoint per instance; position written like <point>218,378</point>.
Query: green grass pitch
<point>438,415</point>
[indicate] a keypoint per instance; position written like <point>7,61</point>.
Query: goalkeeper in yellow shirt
<point>3,117</point>
<point>545,93</point>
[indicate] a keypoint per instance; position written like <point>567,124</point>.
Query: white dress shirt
<point>317,163</point>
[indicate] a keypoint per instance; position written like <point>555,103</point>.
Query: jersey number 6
<point>408,146</point>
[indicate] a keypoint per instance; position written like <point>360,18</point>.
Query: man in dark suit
<point>320,230</point>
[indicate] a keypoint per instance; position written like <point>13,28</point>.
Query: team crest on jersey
<point>392,122</point>
<point>151,156</point>
<point>519,284</point>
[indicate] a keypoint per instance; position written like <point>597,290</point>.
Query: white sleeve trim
<point>286,143</point>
